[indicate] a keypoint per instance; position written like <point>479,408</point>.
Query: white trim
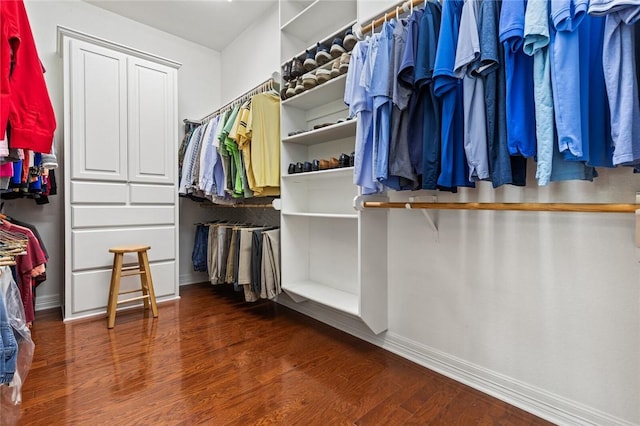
<point>549,406</point>
<point>68,32</point>
<point>103,313</point>
<point>47,302</point>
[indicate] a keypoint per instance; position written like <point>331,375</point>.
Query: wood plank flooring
<point>210,358</point>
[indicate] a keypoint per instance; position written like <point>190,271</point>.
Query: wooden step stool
<point>146,283</point>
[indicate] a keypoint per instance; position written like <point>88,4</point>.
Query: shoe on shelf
<point>286,71</point>
<point>344,63</point>
<point>322,54</point>
<point>323,164</point>
<point>299,86</point>
<point>296,132</point>
<point>292,168</point>
<point>323,75</point>
<point>315,165</point>
<point>335,69</point>
<point>343,161</point>
<point>283,91</point>
<point>349,40</point>
<point>320,126</point>
<point>306,167</point>
<point>299,167</point>
<point>309,81</point>
<point>310,61</point>
<point>352,159</point>
<point>291,89</point>
<point>333,163</point>
<point>297,69</point>
<point>337,48</point>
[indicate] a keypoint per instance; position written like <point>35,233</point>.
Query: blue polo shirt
<point>596,114</point>
<point>382,92</point>
<point>621,82</point>
<point>430,103</point>
<point>448,88</point>
<point>566,17</point>
<point>519,80</point>
<point>361,106</point>
<point>504,168</point>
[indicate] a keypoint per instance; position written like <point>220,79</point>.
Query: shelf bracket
<point>430,215</point>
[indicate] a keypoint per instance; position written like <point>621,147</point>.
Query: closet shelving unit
<point>332,254</point>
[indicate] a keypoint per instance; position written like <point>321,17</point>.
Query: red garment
<point>25,264</point>
<point>24,99</point>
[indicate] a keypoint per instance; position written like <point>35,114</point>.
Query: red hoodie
<point>24,100</point>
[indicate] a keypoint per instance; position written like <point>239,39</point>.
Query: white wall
<point>198,93</point>
<point>252,57</point>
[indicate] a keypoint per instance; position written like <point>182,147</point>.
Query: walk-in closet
<point>319,212</point>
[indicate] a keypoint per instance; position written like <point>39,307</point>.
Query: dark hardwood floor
<point>210,358</point>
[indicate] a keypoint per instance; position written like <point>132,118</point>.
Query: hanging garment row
<point>27,119</point>
<point>22,248</point>
<point>235,154</point>
<point>16,346</point>
<point>247,256</point>
<point>467,91</point>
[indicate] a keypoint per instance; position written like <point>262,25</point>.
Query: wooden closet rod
<point>531,207</point>
<point>402,7</point>
<point>266,85</point>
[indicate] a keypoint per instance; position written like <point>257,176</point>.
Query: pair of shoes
<point>295,168</point>
<point>349,40</point>
<point>331,163</point>
<point>337,47</point>
<point>323,75</point>
<point>309,81</point>
<point>341,66</point>
<point>344,160</point>
<point>305,167</point>
<point>297,68</point>
<point>286,72</point>
<point>322,55</point>
<point>299,88</point>
<point>320,126</point>
<point>310,62</point>
<point>292,69</point>
<point>291,89</point>
<point>296,132</point>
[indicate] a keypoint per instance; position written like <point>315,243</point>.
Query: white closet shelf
<point>350,216</point>
<point>322,94</point>
<point>326,295</point>
<point>313,20</point>
<point>336,131</point>
<point>320,174</point>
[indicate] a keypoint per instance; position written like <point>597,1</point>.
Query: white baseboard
<point>47,302</point>
<point>539,402</point>
<point>193,278</point>
<point>103,312</point>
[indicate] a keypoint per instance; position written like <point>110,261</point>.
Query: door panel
<point>151,139</point>
<point>99,113</point>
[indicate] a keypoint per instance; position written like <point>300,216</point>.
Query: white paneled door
<point>121,141</point>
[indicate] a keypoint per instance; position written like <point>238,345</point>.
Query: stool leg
<point>149,283</point>
<point>114,289</point>
<point>144,285</point>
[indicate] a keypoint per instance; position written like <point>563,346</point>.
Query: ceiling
<point>211,23</point>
